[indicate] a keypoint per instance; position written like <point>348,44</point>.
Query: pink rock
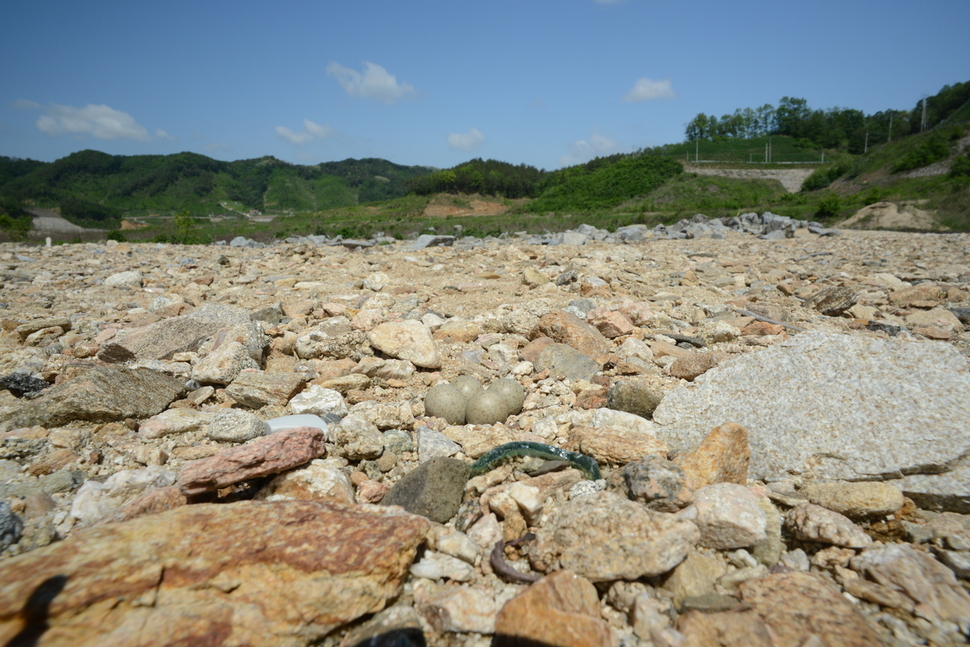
<point>267,455</point>
<point>371,492</point>
<point>638,313</point>
<point>366,320</point>
<point>612,324</point>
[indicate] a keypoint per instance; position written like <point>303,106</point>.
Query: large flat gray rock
<point>164,338</point>
<point>102,394</point>
<point>833,406</point>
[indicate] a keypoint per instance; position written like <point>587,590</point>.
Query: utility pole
<point>889,137</point>
<point>867,141</point>
<point>922,125</point>
<point>697,148</point>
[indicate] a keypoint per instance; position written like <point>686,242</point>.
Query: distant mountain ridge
<point>102,187</point>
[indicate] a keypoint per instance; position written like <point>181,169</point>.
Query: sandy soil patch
<point>448,206</point>
<point>889,215</point>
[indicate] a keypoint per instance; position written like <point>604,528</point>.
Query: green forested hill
<point>95,186</point>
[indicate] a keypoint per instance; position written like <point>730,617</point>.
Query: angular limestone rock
<point>833,406</point>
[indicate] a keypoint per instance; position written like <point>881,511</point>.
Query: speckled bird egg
<point>512,391</point>
<point>486,408</point>
<point>468,385</point>
<point>445,401</point>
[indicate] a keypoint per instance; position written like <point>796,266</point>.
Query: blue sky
<point>547,83</point>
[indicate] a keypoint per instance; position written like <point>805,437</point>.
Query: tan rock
<point>726,629</point>
<point>617,446</point>
<point>224,364</point>
<point>924,296</point>
<point>931,586</point>
<point>663,349</point>
<point>604,537</point>
<point>476,440</point>
<point>566,328</point>
<point>220,579</point>
<point>457,608</point>
<point>692,366</point>
<point>560,610</point>
<point>722,457</point>
<point>271,454</point>
<point>256,390</point>
<point>694,576</point>
<point>815,523</point>
<point>939,317</point>
<point>457,331</point>
<point>855,499</point>
<point>533,277</point>
<point>409,339</point>
<point>797,605</point>
<point>344,383</point>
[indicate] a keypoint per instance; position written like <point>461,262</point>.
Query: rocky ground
<point>780,425</point>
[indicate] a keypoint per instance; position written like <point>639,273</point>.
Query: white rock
<point>321,480</point>
<point>436,566</point>
<point>622,421</point>
<point>486,531</point>
<point>458,544</point>
<point>376,281</point>
<point>728,516</point>
<point>432,444</point>
<point>223,364</point>
<point>174,421</point>
<point>291,422</point>
<point>528,497</point>
<point>95,500</point>
<point>462,609</point>
<point>129,279</point>
<point>235,426</point>
<point>318,401</point>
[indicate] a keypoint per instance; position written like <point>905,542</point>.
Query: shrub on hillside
<point>606,186</point>
<point>960,167</point>
<point>829,206</point>
<point>932,150</point>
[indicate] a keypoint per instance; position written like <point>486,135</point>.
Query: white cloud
<point>24,104</point>
<point>374,83</point>
<point>161,134</point>
<point>101,122</point>
<point>216,147</point>
<point>583,150</point>
<point>466,141</point>
<point>310,132</point>
<point>648,90</point>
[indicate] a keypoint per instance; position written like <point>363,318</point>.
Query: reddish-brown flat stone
<point>261,457</point>
<point>251,573</point>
